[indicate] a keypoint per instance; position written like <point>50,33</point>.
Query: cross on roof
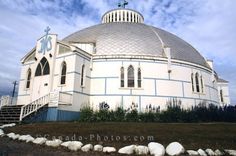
<point>123,4</point>
<point>47,30</point>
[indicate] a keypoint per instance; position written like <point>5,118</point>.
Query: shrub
<point>132,116</point>
<point>119,114</point>
<point>86,114</point>
<point>173,113</point>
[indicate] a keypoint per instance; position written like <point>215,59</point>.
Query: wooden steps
<point>10,114</point>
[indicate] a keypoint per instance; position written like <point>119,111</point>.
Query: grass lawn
<point>191,136</point>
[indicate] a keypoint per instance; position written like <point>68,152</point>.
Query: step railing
<point>34,106</point>
<point>53,99</point>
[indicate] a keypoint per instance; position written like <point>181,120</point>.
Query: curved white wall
<point>157,85</point>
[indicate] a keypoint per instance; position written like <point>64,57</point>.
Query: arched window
<point>131,17</point>
<point>130,76</point>
<point>139,78</point>
<point>82,76</point>
<point>123,15</point>
<point>115,16</point>
<point>28,78</point>
<point>112,17</point>
<point>221,96</point>
<point>192,82</point>
<point>127,17</point>
<point>122,77</point>
<point>63,73</point>
<point>42,68</point>
<point>202,85</point>
<point>119,16</point>
<point>197,82</point>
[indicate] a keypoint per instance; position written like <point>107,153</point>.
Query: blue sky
<point>209,25</point>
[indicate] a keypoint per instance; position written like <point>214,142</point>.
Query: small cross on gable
<point>47,30</point>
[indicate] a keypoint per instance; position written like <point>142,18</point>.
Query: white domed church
<point>121,62</point>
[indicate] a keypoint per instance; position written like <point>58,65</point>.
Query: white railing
<point>5,100</point>
<point>65,98</point>
<point>34,106</point>
<point>53,99</point>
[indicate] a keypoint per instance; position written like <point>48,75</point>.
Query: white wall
<point>225,90</point>
<point>157,85</point>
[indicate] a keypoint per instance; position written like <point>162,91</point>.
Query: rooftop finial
<point>123,4</point>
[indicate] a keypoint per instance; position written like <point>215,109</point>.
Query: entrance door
<point>40,87</point>
<point>41,80</point>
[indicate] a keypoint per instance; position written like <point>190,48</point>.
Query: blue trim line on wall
<point>157,62</point>
<point>155,87</point>
<point>108,77</point>
<point>28,64</point>
<point>78,92</point>
<point>142,95</point>
<point>73,72</point>
<point>162,79</point>
<point>105,85</point>
<point>211,87</point>
<point>81,55</point>
<point>24,95</point>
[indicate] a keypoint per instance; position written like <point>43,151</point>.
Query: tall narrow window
<point>130,76</point>
<point>63,73</point>
<point>82,76</point>
<point>28,79</point>
<point>123,15</point>
<point>131,17</point>
<point>197,82</point>
<point>122,77</point>
<point>115,16</point>
<point>139,78</point>
<point>127,17</point>
<point>192,82</point>
<point>202,85</point>
<point>42,68</point>
<point>221,96</point>
<point>119,16</point>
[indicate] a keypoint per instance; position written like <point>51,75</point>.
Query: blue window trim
<point>137,95</point>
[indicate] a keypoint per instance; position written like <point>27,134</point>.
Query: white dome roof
<point>135,39</point>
